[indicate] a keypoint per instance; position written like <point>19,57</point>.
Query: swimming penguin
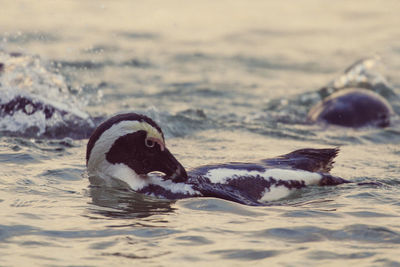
<point>35,102</point>
<point>353,107</point>
<point>56,119</point>
<point>130,148</point>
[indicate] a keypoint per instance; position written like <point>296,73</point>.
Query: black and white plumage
<point>35,102</point>
<point>131,147</point>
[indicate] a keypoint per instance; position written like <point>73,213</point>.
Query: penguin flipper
<point>308,159</point>
<point>223,191</point>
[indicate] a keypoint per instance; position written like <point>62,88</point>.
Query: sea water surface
<point>227,81</point>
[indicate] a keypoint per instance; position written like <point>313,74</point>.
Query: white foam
<point>26,76</point>
<point>21,122</point>
<point>364,71</point>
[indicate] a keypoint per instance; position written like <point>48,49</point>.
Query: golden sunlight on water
<point>213,74</point>
<point>351,22</point>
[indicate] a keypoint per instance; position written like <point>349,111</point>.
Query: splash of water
<point>36,102</point>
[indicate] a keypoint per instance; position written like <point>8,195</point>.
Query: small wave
<point>362,74</point>
<point>356,232</point>
<point>293,111</point>
<point>35,102</point>
<point>122,203</point>
<point>180,124</point>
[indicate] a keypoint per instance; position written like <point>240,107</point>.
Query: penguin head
<point>131,145</point>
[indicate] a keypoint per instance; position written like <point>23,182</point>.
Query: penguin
<point>23,108</point>
<point>353,107</point>
<point>130,149</point>
<point>35,102</point>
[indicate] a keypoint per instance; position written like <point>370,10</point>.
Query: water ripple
<point>356,232</point>
<point>328,255</point>
<point>245,254</point>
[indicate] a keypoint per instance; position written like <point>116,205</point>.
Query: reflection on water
<point>227,81</point>
<point>123,203</point>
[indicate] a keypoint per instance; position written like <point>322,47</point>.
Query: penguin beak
<point>169,165</point>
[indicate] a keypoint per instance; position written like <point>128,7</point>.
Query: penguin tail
<point>308,159</point>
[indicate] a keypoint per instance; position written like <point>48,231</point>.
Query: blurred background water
<point>227,81</point>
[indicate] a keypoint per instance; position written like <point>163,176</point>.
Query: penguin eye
<point>149,143</point>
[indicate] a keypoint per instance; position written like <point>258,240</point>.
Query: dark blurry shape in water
<point>352,99</point>
<point>362,75</point>
<point>352,108</point>
<point>37,103</point>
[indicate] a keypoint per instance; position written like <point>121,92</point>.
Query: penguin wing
<point>308,159</point>
<point>224,191</point>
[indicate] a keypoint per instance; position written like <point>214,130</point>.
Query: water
<point>227,81</point>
